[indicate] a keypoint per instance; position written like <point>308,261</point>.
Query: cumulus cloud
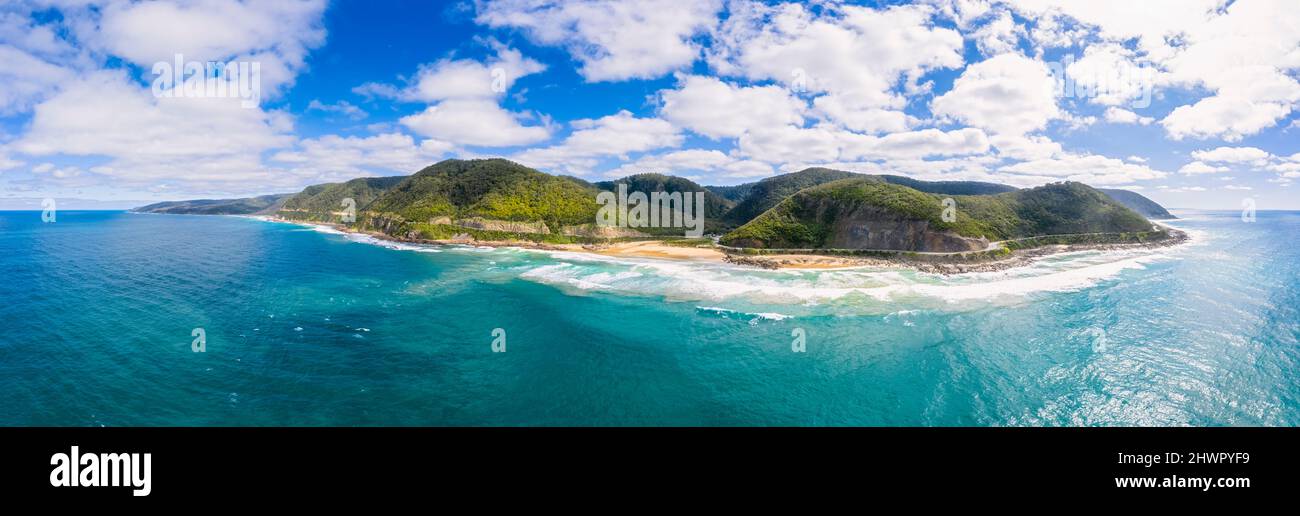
<point>148,139</point>
<point>1116,115</point>
<point>27,79</point>
<point>1092,169</point>
<point>461,78</point>
<point>1232,155</point>
<point>475,122</point>
<point>1009,93</point>
<point>466,96</point>
<point>915,144</point>
<point>277,35</point>
<point>612,40</point>
<point>1107,74</point>
<point>614,136</point>
<point>1243,53</point>
<point>335,158</point>
<point>706,166</point>
<point>852,55</point>
<point>341,107</point>
<point>716,109</point>
<point>1197,167</point>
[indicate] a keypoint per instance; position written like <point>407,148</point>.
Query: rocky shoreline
<point>1018,258</point>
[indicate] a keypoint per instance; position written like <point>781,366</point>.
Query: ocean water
<point>306,326</point>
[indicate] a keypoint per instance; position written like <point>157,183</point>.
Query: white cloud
<point>707,166</point>
<point>616,135</point>
<point>461,78</point>
<point>1244,53</point>
<point>335,158</point>
<point>613,40</point>
<point>27,79</point>
<point>1197,167</point>
<point>148,138</point>
<point>853,55</point>
<point>1091,169</point>
<point>1009,93</point>
<point>1108,75</point>
<point>713,108</point>
<point>1148,21</point>
<point>467,95</point>
<point>841,110</point>
<point>276,34</point>
<point>916,144</point>
<point>341,107</point>
<point>1022,147</point>
<point>1233,116</point>
<point>1116,115</point>
<point>475,122</point>
<point>1232,155</point>
<point>7,163</point>
<point>790,144</point>
<point>998,36</point>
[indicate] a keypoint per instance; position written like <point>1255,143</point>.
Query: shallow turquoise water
<point>306,327</point>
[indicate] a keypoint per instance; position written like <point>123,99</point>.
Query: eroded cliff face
<point>868,227</point>
<point>537,227</point>
<point>852,225</point>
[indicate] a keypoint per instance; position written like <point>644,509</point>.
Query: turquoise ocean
<point>308,326</point>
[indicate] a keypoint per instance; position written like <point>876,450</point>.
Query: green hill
<point>871,213</point>
<point>715,206</point>
<point>735,193</point>
<point>246,206</point>
<point>949,187</point>
<point>1139,203</point>
<point>494,189</point>
<point>765,194</point>
<point>324,203</point>
<point>755,198</point>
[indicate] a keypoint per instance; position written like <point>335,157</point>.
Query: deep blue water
<point>306,327</point>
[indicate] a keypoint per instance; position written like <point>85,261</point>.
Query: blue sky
<point>1190,102</point>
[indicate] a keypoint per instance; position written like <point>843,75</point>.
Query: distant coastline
<point>686,250</point>
<point>815,218</point>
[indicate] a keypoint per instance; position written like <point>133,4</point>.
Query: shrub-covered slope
<point>870,213</point>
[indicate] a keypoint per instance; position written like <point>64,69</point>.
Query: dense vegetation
<point>715,206</point>
<point>1139,203</point>
<point>735,193</point>
<point>324,203</point>
<point>765,194</point>
<point>949,187</point>
<point>494,189</point>
<point>246,206</point>
<point>807,219</point>
<point>755,198</point>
